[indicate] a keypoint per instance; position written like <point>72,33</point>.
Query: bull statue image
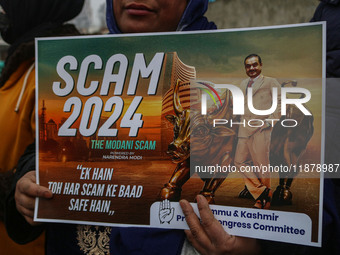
<point>287,147</point>
<point>197,141</point>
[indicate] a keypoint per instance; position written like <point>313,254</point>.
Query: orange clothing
<point>17,131</point>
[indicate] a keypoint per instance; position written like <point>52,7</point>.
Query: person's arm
<point>20,201</point>
<point>208,236</point>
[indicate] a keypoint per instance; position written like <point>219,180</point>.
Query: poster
<point>118,140</point>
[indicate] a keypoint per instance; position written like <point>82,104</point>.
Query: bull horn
<point>292,82</point>
<point>177,104</point>
<point>223,111</point>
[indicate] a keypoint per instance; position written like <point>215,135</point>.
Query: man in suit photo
<point>255,131</point>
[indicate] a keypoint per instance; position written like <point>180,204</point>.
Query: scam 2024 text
<point>94,104</point>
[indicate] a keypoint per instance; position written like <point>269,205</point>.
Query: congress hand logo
<point>166,213</point>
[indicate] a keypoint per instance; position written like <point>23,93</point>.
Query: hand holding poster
<point>129,125</point>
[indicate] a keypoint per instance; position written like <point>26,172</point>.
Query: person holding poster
<point>21,22</point>
<point>63,238</point>
<point>254,141</point>
<point>122,17</point>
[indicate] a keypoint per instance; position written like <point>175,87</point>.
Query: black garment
<point>6,179</point>
<point>17,227</point>
<point>329,11</point>
<point>28,19</point>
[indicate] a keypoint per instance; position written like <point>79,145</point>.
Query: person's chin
<point>137,27</point>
